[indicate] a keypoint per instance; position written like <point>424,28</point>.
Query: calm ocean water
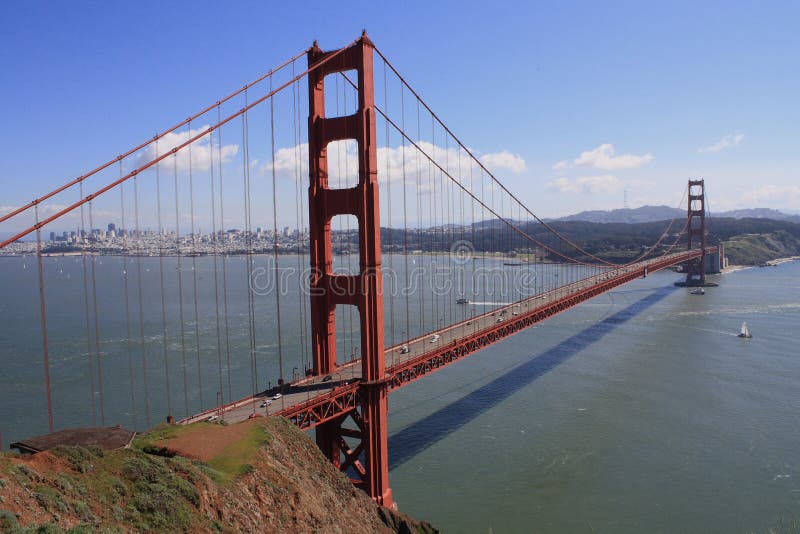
<point>638,411</point>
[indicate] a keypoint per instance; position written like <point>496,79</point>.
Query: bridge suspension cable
<point>461,233</point>
<point>192,139</point>
<point>477,161</point>
<point>144,144</point>
<point>496,213</point>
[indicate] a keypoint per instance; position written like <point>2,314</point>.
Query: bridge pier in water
<point>363,290</point>
<point>697,268</point>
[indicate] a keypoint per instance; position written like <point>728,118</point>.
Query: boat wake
<point>722,332</point>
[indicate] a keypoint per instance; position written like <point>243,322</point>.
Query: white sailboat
<point>745,332</point>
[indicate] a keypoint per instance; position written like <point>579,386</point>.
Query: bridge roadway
<point>310,401</point>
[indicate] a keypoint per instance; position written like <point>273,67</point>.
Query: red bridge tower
<point>696,232</point>
<point>363,290</point>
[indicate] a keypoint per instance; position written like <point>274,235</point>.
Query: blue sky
<point>597,98</point>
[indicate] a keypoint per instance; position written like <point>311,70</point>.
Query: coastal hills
<point>660,213</point>
<point>751,237</point>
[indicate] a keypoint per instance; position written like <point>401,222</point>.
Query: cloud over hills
<point>604,157</point>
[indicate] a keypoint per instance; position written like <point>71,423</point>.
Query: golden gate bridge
<point>407,255</point>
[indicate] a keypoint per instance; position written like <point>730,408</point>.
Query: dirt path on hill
<point>208,442</point>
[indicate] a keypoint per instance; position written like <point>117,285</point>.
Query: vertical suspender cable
<point>300,226</point>
<point>463,225</point>
<point>249,253</point>
<point>194,276</point>
<point>43,312</point>
<point>472,235</point>
<point>422,266</point>
<point>432,205</point>
<point>450,224</point>
<point>302,212</point>
<point>275,242</point>
<point>391,292</point>
<point>215,249</point>
<point>180,287</point>
<point>406,280</point>
<point>128,341</point>
<point>82,238</point>
<point>96,320</point>
<point>161,251</point>
<point>488,234</point>
<point>141,305</point>
<point>224,259</point>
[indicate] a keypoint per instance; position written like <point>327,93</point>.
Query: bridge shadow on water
<point>417,437</point>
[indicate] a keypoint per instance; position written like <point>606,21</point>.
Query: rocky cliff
<point>262,475</point>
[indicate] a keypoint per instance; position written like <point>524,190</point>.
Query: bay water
<point>639,411</point>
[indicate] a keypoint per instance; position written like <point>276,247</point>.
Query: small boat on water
<point>745,332</point>
<point>698,291</point>
<point>462,301</point>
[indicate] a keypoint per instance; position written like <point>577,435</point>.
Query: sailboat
<point>745,333</point>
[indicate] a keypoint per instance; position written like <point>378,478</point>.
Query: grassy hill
<point>262,475</point>
<point>756,249</point>
<point>612,241</point>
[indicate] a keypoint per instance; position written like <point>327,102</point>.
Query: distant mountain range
<point>660,213</point>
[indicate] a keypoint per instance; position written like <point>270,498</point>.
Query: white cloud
<point>773,196</point>
<point>45,210</point>
<point>201,151</point>
<point>729,141</point>
<point>564,185</point>
<point>504,160</point>
<point>603,157</point>
<point>561,165</point>
<point>343,162</point>
<point>605,183</point>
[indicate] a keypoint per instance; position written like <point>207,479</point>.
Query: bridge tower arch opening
<point>368,459</point>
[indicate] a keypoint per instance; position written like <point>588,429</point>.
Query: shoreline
<point>769,263</point>
<point>778,261</point>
